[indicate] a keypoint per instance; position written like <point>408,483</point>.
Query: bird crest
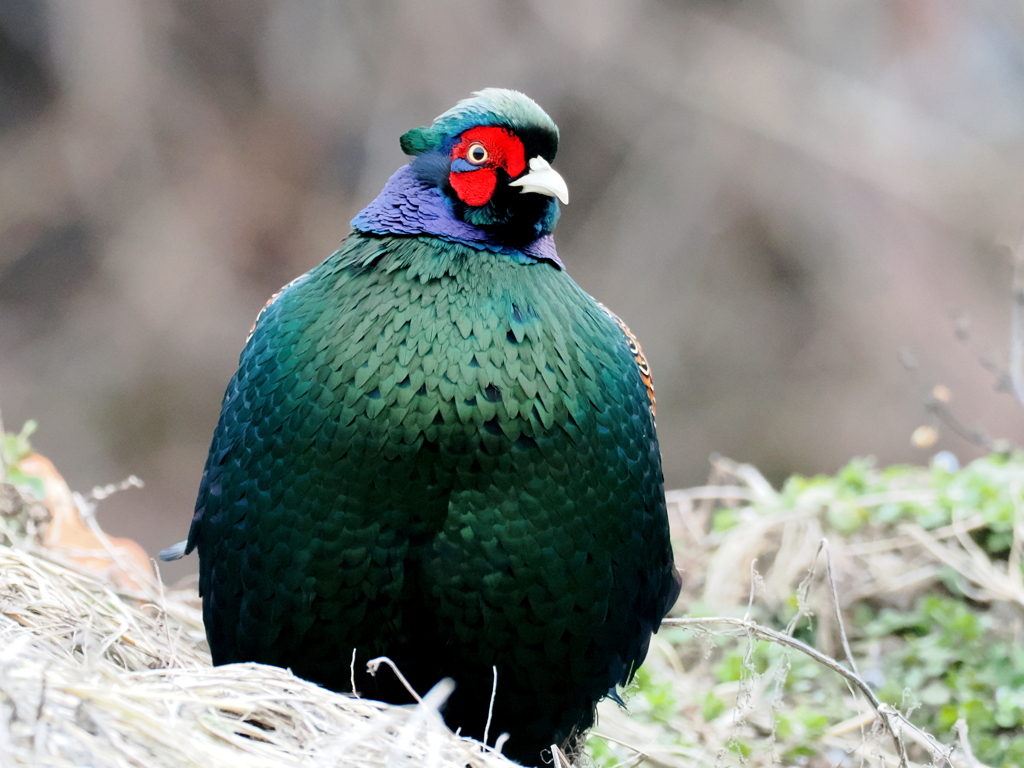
<point>492,107</point>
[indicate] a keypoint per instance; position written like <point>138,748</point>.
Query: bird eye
<point>477,153</point>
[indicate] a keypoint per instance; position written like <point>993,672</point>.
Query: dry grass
<point>777,556</point>
<point>91,676</point>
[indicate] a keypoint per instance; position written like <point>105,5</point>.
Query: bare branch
<point>835,603</point>
<point>3,453</point>
<point>965,745</point>
<point>374,664</point>
<point>893,720</point>
<point>1017,324</point>
<point>490,706</point>
<point>942,412</point>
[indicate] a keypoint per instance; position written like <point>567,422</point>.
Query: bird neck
<point>410,206</point>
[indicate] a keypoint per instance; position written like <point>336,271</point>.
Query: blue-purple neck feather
<point>417,200</point>
<point>409,205</point>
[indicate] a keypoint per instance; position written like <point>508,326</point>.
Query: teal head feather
<point>500,107</point>
<point>490,156</point>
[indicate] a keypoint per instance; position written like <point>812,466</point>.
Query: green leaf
<point>713,707</point>
<point>33,485</point>
<point>17,447</point>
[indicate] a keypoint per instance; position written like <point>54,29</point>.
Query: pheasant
<point>440,449</point>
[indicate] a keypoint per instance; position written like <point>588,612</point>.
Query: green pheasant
<point>439,449</point>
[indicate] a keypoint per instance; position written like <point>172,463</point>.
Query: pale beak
<point>544,179</point>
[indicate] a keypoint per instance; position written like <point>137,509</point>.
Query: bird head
<point>491,156</point>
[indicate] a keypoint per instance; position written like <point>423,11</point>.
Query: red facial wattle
<point>503,149</point>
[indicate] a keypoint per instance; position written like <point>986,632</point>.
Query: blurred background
<point>804,210</point>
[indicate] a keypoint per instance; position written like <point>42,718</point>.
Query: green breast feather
<point>425,440</point>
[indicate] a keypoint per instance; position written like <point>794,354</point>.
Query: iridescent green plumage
<point>442,454</point>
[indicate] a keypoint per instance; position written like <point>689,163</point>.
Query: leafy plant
<point>960,664</point>
<point>14,448</point>
<point>935,629</point>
